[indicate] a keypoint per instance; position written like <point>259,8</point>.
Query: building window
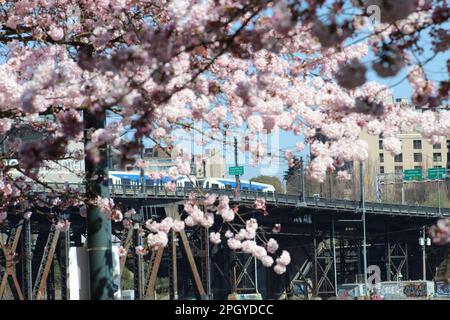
<point>381,157</point>
<point>381,169</point>
<point>398,158</point>
<point>418,167</point>
<point>417,144</point>
<point>380,144</point>
<point>437,146</point>
<point>398,169</point>
<point>437,157</point>
<point>418,157</point>
<point>437,166</point>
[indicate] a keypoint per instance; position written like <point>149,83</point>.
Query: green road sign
<point>233,171</point>
<point>412,174</point>
<point>436,173</point>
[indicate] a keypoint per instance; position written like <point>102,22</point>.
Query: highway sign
<point>412,174</point>
<point>436,173</point>
<point>232,171</point>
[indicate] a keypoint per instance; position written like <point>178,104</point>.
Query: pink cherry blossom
<point>157,240</point>
<point>279,269</point>
<point>393,145</point>
<point>122,251</point>
<point>129,213</point>
<point>178,226</point>
<point>234,244</point>
<point>141,251</point>
<point>284,259</point>
<point>214,237</point>
<point>189,221</point>
<point>63,226</point>
<point>248,246</point>
<point>276,228</point>
<point>440,233</point>
<point>127,223</point>
<point>211,199</point>
<point>116,215</point>
<point>229,234</point>
<point>152,225</point>
<point>57,33</point>
<point>267,261</point>
<point>260,204</point>
<point>259,252</point>
<point>272,245</point>
<point>343,175</point>
<point>171,186</point>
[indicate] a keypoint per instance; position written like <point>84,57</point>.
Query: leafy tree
<point>292,176</point>
<point>275,181</point>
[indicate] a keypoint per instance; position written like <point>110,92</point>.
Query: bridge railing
<point>134,190</point>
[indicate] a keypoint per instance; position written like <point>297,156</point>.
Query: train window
<point>228,187</point>
<point>188,184</point>
<point>110,181</point>
<point>126,181</point>
<point>207,184</point>
<point>244,188</point>
<point>214,186</point>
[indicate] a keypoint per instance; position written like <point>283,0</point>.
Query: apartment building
<point>417,153</point>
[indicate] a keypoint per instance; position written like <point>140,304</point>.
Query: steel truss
<point>397,261</point>
<point>10,255</point>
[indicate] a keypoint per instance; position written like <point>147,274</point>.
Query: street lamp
<point>363,208</point>
<point>424,242</point>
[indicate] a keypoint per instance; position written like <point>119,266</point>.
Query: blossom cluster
<point>440,233</point>
<point>158,236</point>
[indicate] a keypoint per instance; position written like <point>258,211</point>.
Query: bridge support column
<point>64,248</point>
<point>173,283</point>
<point>27,262</point>
<point>316,280</point>
<point>99,242</point>
<point>138,269</point>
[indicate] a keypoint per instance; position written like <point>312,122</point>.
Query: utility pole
<point>204,168</point>
<point>302,177</point>
<point>208,264</point>
<point>439,197</point>
<point>424,256</point>
<point>238,183</point>
<point>99,244</point>
<point>424,241</point>
<point>363,208</point>
<point>403,192</point>
<point>142,172</point>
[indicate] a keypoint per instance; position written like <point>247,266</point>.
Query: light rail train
<point>133,178</point>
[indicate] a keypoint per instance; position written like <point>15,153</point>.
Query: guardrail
<point>278,199</point>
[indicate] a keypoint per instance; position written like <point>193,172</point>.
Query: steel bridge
<point>324,237</point>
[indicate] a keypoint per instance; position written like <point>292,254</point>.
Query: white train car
<point>133,178</point>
